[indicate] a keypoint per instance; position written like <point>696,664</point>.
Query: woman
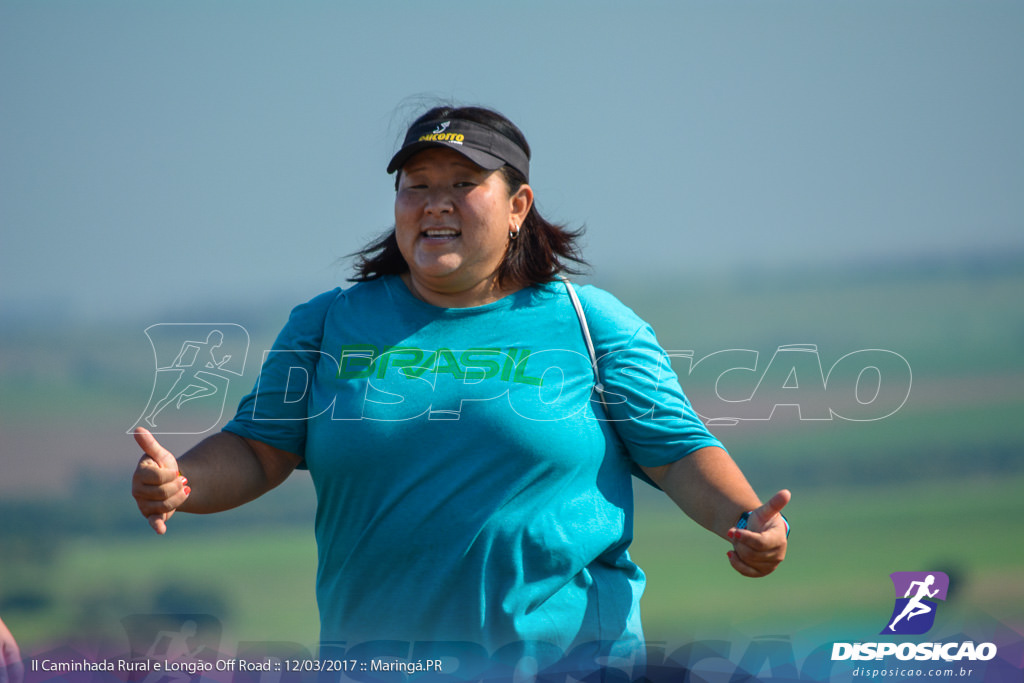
<point>470,486</point>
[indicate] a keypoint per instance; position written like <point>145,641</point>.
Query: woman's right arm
<point>223,471</point>
<point>227,469</point>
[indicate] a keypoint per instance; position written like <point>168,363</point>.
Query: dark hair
<point>542,250</point>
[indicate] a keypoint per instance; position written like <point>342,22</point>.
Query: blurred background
<point>843,176</point>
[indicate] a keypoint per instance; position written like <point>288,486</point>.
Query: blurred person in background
<point>12,670</point>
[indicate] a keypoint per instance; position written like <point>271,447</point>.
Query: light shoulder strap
<point>598,386</point>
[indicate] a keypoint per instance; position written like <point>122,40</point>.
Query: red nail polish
<point>188,490</point>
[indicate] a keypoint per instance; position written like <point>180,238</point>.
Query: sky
<point>162,155</point>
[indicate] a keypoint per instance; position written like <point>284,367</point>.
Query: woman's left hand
<point>758,549</point>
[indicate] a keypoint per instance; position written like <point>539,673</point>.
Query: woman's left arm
<point>710,488</point>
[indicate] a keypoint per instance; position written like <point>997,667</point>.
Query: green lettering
<point>521,377</point>
<point>481,364</point>
<point>382,361</point>
<point>406,359</point>
<point>510,363</point>
<point>356,361</point>
<point>428,364</point>
<point>446,363</point>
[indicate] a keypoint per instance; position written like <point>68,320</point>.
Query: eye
<point>412,184</point>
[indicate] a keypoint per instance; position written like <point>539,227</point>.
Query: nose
<point>439,201</point>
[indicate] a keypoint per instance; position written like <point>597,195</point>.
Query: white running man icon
<point>915,606</point>
<point>195,385</point>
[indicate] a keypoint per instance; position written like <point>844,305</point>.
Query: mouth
<point>440,234</point>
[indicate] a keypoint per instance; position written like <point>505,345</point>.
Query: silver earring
<point>513,232</point>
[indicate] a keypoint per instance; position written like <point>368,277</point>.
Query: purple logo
<point>916,593</point>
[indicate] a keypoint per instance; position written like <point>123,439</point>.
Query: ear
<point>520,203</point>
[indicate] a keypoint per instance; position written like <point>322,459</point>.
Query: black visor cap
<point>480,144</point>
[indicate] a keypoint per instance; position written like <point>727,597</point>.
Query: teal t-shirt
<point>469,485</point>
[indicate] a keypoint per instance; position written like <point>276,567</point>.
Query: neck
<point>481,293</point>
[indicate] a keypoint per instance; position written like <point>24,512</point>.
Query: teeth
<point>441,232</point>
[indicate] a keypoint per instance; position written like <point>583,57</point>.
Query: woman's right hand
<point>157,486</point>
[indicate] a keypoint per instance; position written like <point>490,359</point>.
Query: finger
<point>752,540</point>
<point>761,546</point>
<point>157,512</point>
<point>741,566</point>
<point>761,550</point>
<point>750,569</point>
<point>149,473</point>
<point>155,499</point>
<point>151,447</point>
<point>158,501</point>
<point>763,516</point>
<point>760,555</point>
<point>150,482</point>
<point>159,482</point>
<point>162,498</point>
<point>12,669</point>
<point>159,522</point>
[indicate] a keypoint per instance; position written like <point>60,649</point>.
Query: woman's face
<point>452,222</point>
